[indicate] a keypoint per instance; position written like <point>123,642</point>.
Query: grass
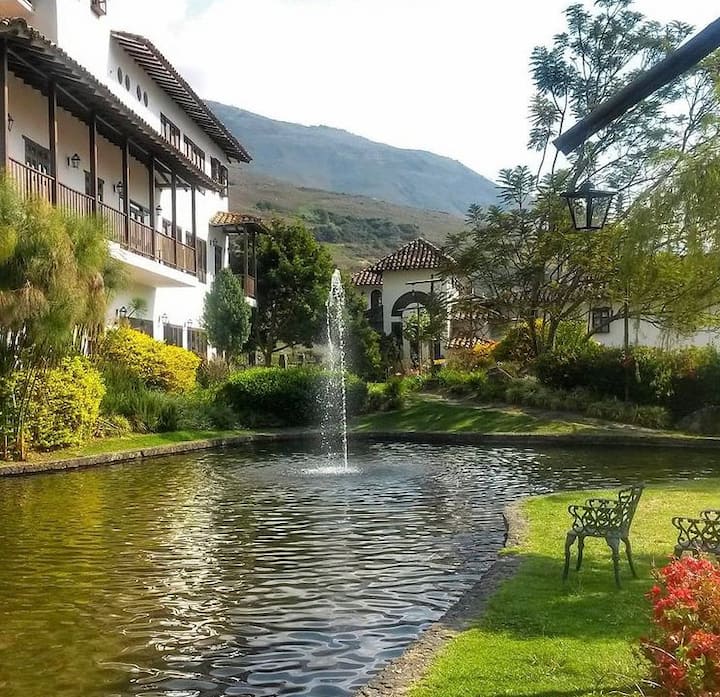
<point>135,441</point>
<point>541,637</point>
<point>428,413</point>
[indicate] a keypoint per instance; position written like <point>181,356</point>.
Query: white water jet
<point>334,425</point>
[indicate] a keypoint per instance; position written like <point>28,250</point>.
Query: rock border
<point>399,676</point>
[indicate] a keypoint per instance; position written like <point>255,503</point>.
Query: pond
<point>261,572</point>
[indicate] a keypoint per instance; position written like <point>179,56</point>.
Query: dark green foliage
<point>213,372</point>
<point>284,397</point>
<point>293,281</point>
<point>227,315</point>
<point>148,410</point>
<point>363,343</point>
<point>334,227</point>
<point>682,380</point>
<point>458,382</point>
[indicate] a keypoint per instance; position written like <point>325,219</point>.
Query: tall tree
<point>294,274</point>
<point>363,342</point>
<point>524,258</point>
<point>55,277</point>
<point>226,316</point>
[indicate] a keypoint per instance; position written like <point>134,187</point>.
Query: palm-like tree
<point>56,275</point>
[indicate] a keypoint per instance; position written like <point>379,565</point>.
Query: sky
<point>448,76</point>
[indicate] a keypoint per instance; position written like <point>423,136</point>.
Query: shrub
<point>158,365</point>
<point>284,397</point>
<point>147,410</point>
<point>112,426</point>
<point>460,382</point>
<point>65,405</point>
<point>516,345</point>
<point>473,359</point>
<point>213,372</point>
<point>684,649</point>
<point>652,417</point>
<point>385,396</point>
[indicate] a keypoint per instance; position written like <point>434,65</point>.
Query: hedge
<point>158,365</point>
<point>284,397</point>
<point>682,380</point>
<point>65,405</point>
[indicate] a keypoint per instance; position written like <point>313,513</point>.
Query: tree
<point>294,274</point>
<point>363,342</point>
<point>226,316</point>
<point>55,277</point>
<point>524,259</point>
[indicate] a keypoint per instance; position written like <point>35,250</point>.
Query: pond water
<point>261,572</point>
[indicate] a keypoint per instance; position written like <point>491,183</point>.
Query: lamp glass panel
<point>599,212</point>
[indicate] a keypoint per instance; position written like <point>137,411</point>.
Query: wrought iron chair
<point>606,518</point>
<point>698,535</point>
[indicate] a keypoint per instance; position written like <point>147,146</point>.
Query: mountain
<point>330,159</point>
<point>356,229</point>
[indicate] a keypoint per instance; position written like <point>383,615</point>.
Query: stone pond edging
<point>430,437</point>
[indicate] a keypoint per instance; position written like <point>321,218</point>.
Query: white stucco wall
<point>86,38</point>
<point>643,333</point>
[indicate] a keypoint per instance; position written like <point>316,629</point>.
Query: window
<point>100,187</point>
<point>173,334</point>
<point>37,157</point>
<point>99,7</point>
<point>145,98</point>
<point>127,83</point>
<point>201,250</point>
<point>120,75</point>
<point>219,172</point>
<point>197,342</point>
<point>194,154</point>
<point>600,319</point>
<point>170,131</point>
<point>138,91</point>
<point>218,258</point>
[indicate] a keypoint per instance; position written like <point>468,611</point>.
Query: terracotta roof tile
<point>418,254</point>
<point>367,277</point>
<point>222,218</point>
<point>464,342</point>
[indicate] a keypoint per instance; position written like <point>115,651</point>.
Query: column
<point>52,138</point>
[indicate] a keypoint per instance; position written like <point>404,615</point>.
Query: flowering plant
<point>685,647</point>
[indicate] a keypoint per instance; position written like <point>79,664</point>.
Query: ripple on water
<point>257,573</point>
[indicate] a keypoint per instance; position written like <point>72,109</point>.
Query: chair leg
<point>628,552</point>
<point>581,547</point>
<point>614,544</point>
<point>569,541</point>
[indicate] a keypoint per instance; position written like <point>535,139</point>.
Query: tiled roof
<point>233,218</point>
<point>159,68</point>
<point>418,254</point>
<point>367,277</point>
<point>35,60</point>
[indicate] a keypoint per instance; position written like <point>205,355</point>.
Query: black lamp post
<point>589,207</point>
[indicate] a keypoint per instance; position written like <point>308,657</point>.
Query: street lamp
<point>589,207</point>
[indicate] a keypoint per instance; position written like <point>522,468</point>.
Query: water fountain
<point>334,422</point>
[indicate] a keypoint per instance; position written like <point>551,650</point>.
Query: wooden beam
<point>53,139</point>
<point>4,105</point>
<point>193,205</point>
<point>126,187</point>
<point>92,130</point>
<point>151,203</point>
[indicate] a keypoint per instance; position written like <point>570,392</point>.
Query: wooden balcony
<point>129,233</point>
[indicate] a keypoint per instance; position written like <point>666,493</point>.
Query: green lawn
<point>431,413</point>
<point>135,441</point>
<point>541,637</point>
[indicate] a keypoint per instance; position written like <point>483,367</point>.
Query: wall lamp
<point>119,189</point>
<point>74,161</point>
<point>122,313</point>
<point>164,318</point>
<point>11,122</point>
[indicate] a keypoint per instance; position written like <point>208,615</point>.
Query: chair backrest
<point>628,500</point>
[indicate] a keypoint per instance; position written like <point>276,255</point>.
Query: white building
<point>401,284</point>
<point>97,120</point>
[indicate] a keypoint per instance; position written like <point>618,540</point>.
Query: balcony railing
<point>136,237</point>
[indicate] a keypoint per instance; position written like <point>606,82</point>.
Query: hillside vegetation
<point>356,229</point>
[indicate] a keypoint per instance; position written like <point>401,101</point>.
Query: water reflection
<point>257,573</point>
